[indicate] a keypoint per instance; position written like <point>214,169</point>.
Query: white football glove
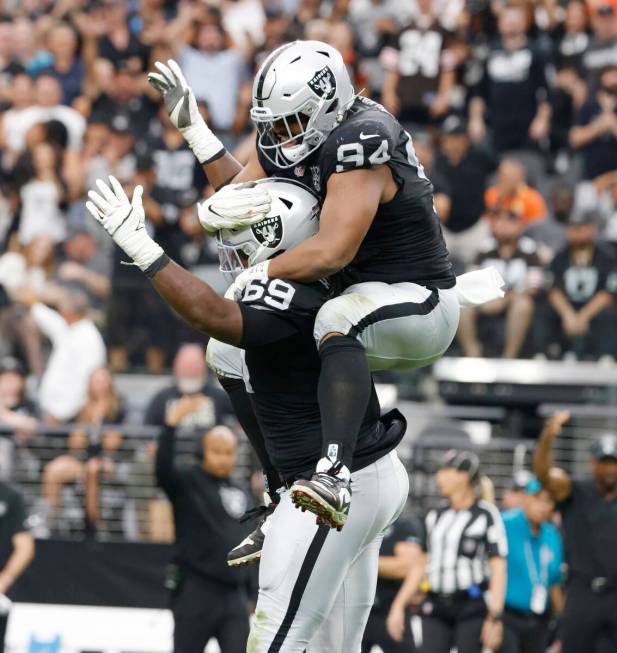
<point>258,272</point>
<point>234,206</point>
<point>181,106</point>
<point>124,221</point>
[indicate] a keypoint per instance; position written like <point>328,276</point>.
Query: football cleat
<point>248,551</point>
<point>325,495</point>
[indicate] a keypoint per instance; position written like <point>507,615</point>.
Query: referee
<point>589,514</point>
<point>208,598</point>
<point>464,550</point>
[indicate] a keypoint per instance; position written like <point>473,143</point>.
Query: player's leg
<point>304,566</point>
<point>372,326</point>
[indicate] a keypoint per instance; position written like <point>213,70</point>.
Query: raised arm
<point>194,300</point>
<point>555,480</point>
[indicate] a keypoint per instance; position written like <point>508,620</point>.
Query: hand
<point>178,97</point>
<point>555,423</point>
<point>124,221</point>
<point>571,325</point>
<point>184,407</point>
<point>477,130</point>
<point>235,206</point>
<point>395,623</point>
<point>70,271</point>
<point>257,272</point>
<point>492,634</point>
<point>539,128</point>
<point>181,106</point>
<point>555,647</point>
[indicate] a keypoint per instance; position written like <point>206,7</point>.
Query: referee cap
<point>604,447</point>
<point>463,461</point>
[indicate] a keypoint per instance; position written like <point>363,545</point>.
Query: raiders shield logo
<point>323,84</point>
<point>269,232</point>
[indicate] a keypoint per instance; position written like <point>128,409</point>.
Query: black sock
<point>344,392</point>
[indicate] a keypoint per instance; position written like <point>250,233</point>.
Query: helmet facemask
<point>288,138</point>
<point>234,257</point>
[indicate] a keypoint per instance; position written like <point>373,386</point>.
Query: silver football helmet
<point>300,94</point>
<point>293,217</point>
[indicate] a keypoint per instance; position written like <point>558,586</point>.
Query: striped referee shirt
<point>459,545</point>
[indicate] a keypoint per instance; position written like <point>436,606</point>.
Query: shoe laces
<point>259,512</point>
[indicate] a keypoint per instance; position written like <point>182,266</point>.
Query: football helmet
<point>293,217</point>
<point>300,94</point>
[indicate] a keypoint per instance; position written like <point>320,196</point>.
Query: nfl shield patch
<point>323,84</point>
<point>269,231</point>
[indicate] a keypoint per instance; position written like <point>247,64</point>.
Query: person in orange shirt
<point>511,192</point>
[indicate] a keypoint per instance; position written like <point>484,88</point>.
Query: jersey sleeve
<point>496,539</point>
<point>359,144</point>
<point>275,310</point>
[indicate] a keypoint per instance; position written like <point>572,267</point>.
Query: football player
<point>313,581</point>
<point>379,236</point>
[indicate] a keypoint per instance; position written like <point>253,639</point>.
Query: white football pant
<point>316,584</point>
<point>402,326</point>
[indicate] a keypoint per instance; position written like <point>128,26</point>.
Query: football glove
<point>234,206</point>
<point>124,221</point>
<point>181,106</point>
<point>258,272</point>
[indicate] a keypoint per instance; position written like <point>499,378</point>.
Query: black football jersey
<point>283,368</point>
<point>404,242</point>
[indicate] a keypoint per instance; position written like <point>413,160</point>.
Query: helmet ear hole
<point>332,106</point>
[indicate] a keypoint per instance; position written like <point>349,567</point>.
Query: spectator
<point>517,260</point>
<point>466,167</point>
<point>88,453</point>
<point>190,378</point>
<point>67,68</point>
<point>595,132</point>
<point>416,86</point>
<point>210,64</point>
<point>534,560</point>
<point>48,106</point>
<point>41,198</point>
<point>602,50</point>
<point>21,98</point>
<point>17,411</point>
<point>85,267</point>
<point>9,66</point>
<point>77,349</point>
<point>208,598</point>
<point>590,537</point>
<point>513,496</point>
<point>465,546</point>
<point>375,22</point>
<point>512,95</point>
<point>16,549</point>
<point>400,551</point>
<point>583,282</point>
<point>511,192</point>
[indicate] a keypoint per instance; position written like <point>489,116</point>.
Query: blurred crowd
<point>512,106</point>
<point>513,111</point>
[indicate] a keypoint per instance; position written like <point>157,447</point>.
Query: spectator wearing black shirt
<point>584,280</point>
<point>467,168</point>
<point>16,410</point>
<point>602,50</point>
<point>589,522</point>
<point>416,86</point>
<point>595,132</point>
<point>400,550</point>
<point>517,260</point>
<point>16,548</point>
<point>190,378</point>
<point>208,598</point>
<point>512,94</point>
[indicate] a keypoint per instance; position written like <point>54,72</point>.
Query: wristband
<point>157,266</point>
<point>205,145</point>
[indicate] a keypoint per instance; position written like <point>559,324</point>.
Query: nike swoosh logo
<point>363,136</point>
